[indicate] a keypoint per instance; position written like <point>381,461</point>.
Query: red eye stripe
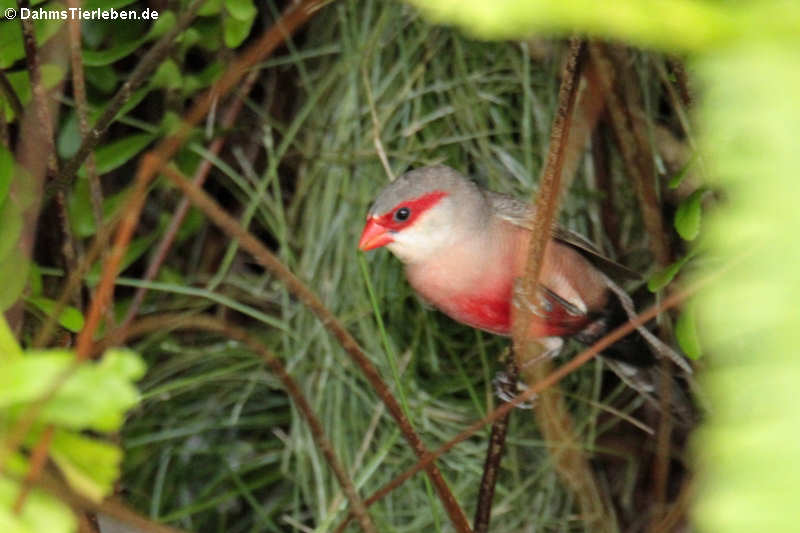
<point>417,206</point>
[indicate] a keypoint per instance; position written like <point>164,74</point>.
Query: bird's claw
<point>507,389</point>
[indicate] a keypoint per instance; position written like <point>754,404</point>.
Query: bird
<point>464,248</point>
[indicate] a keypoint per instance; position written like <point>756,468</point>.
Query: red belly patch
<point>494,315</point>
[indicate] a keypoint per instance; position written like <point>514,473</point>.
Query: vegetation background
<point>305,102</point>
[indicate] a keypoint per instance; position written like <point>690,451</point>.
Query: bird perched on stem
<point>464,248</point>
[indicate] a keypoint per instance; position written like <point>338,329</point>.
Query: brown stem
<point>207,323</point>
<point>81,106</point>
<point>37,88</point>
<point>47,147</point>
<point>491,466</point>
<point>105,288</point>
<point>266,259</point>
<point>37,461</point>
<point>551,412</point>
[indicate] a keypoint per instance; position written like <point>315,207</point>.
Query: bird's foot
<point>507,389</point>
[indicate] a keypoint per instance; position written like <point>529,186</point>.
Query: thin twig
<point>491,466</point>
<point>551,411</point>
<point>207,323</point>
<point>111,267</point>
<point>37,461</point>
<point>266,259</point>
<point>376,126</point>
<point>11,95</point>
<point>81,106</point>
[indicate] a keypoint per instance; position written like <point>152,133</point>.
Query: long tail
<point>638,348</point>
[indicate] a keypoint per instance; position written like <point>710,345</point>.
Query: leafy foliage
<point>92,397</point>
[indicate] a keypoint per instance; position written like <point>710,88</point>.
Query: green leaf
<point>11,49</point>
<point>20,82</point>
<point>99,58</point>
<point>9,348</point>
<point>14,273</point>
<point>42,512</point>
<point>165,22</point>
<point>687,217</point>
<point>661,279</point>
<point>678,178</point>
<point>90,466</point>
<point>6,172</point>
<point>117,153</point>
<point>209,8</point>
<point>241,9</point>
<point>70,318</point>
<point>95,395</point>
<point>235,31</point>
<point>135,99</point>
<point>35,279</point>
<point>79,207</point>
<point>204,33</point>
<point>236,26</point>
<point>29,377</point>
<point>104,78</point>
<point>686,333</point>
<point>167,76</point>
<point>69,136</point>
<point>10,226</point>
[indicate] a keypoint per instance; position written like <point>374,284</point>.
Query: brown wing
<point>520,214</point>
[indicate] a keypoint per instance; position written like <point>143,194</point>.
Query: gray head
<point>423,211</point>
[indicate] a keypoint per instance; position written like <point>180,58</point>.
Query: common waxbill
<point>464,247</point>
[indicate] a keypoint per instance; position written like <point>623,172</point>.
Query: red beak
<point>374,236</point>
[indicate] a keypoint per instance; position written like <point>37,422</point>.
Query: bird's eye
<point>402,214</point>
